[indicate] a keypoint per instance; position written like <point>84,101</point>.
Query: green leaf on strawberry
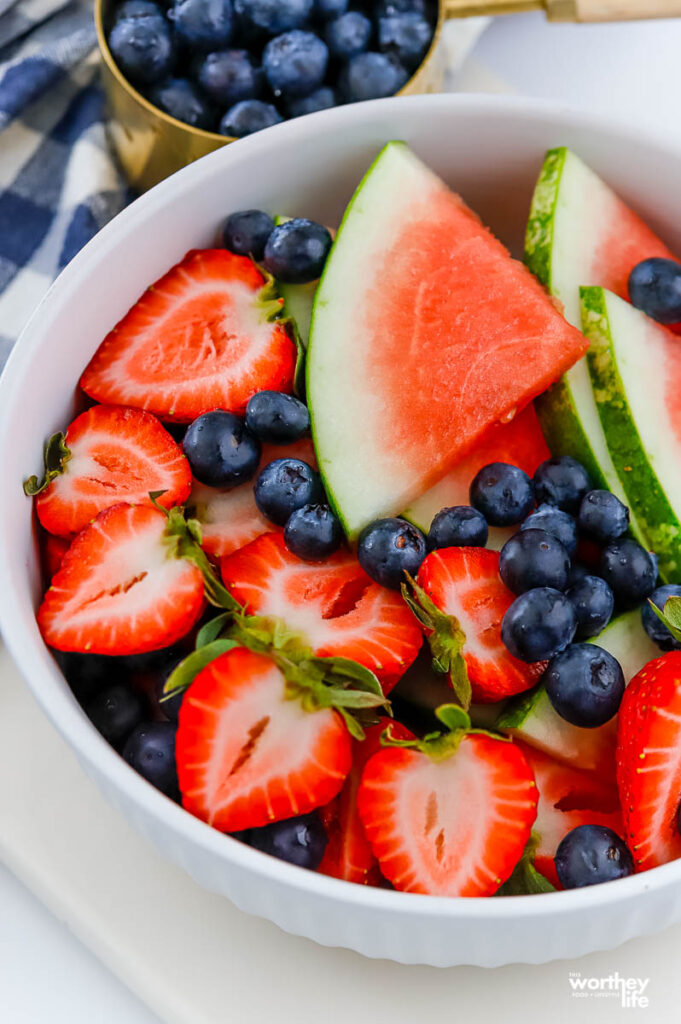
<point>525,879</point>
<point>56,454</point>
<point>183,675</point>
<point>671,616</point>
<point>446,639</point>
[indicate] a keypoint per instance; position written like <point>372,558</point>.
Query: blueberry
<point>313,533</point>
<point>284,486</point>
<point>503,494</point>
<point>577,572</point>
<point>593,602</point>
<point>296,251</point>
<point>629,570</point>
<point>458,527</point>
<point>115,712</point>
<point>327,9</point>
<point>603,517</point>
<point>387,7</point>
<point>137,9</point>
<point>169,706</point>
<point>271,17</point>
<point>585,684</point>
<point>538,625</point>
<point>295,63</point>
<point>406,35</point>
<point>371,76</point>
<point>388,548</point>
<point>656,630</point>
<point>247,117</point>
<point>321,99</point>
<point>181,99</point>
<point>143,48</point>
<point>533,558</point>
<point>655,287</point>
<point>277,418</point>
<point>559,524</point>
<point>150,750</point>
<point>228,76</point>
<point>203,24</point>
<point>88,674</point>
<point>348,35</point>
<point>562,482</point>
<point>301,841</point>
<point>246,233</point>
<point>221,450</point>
<point>590,854</point>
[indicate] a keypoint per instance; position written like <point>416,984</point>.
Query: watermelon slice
<point>425,333</point>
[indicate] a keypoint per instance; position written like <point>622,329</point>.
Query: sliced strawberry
<point>200,338</point>
<point>120,588</point>
<point>53,551</point>
<point>246,755</point>
<point>568,797</point>
<point>649,762</point>
<point>464,583</point>
<point>110,454</point>
<point>230,519</point>
<point>335,605</point>
<point>450,816</point>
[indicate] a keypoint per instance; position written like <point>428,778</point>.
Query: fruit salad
<point>365,548</point>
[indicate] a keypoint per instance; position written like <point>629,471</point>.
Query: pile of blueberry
<point>236,66</point>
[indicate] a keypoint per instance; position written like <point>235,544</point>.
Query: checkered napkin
<point>58,181</point>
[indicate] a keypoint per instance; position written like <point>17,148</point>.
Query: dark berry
<point>458,527</point>
<point>221,450</point>
<point>115,712</point>
<point>301,841</point>
<point>229,76</point>
<point>271,17</point>
<point>137,9</point>
<point>88,674</point>
<point>577,572</point>
<point>284,486</point>
<point>603,517</point>
<point>150,750</point>
<point>295,63</point>
<point>655,287</point>
<point>313,533</point>
<point>371,76</point>
<point>590,854</point>
<point>321,99</point>
<point>388,548</point>
<point>585,684</point>
<point>629,570</point>
<point>277,418</point>
<point>503,493</point>
<point>538,625</point>
<point>328,9</point>
<point>246,233</point>
<point>533,558</point>
<point>247,117</point>
<point>143,48</point>
<point>388,7</point>
<point>169,706</point>
<point>406,35</point>
<point>203,24</point>
<point>556,522</point>
<point>182,100</point>
<point>562,482</point>
<point>348,35</point>
<point>654,627</point>
<point>296,251</point>
<point>593,602</point>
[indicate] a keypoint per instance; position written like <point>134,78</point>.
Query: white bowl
<point>488,148</point>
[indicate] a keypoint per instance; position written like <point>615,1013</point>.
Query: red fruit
<point>200,338</point>
<point>120,589</point>
<point>246,755</point>
<point>464,583</point>
<point>649,762</point>
<point>230,519</point>
<point>117,454</point>
<point>54,549</point>
<point>340,610</point>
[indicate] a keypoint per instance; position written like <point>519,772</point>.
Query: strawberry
<point>649,762</point>
<point>448,815</point>
<point>202,337</point>
<point>53,551</point>
<point>110,454</point>
<point>460,600</point>
<point>335,605</point>
<point>230,519</point>
<point>125,586</point>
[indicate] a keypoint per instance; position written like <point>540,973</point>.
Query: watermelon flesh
<point>424,335</point>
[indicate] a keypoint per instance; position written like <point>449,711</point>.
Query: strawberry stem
<point>55,456</point>
<point>443,743</point>
<point>525,880</point>
<point>445,637</point>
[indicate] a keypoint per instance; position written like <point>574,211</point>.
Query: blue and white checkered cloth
<point>59,183</point>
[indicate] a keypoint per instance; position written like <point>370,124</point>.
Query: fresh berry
<point>247,117</point>
<point>115,712</point>
<point>88,674</point>
<point>245,233</point>
<point>200,338</point>
<point>458,527</point>
<point>556,522</point>
<point>121,588</point>
<point>142,47</point>
<point>277,418</point>
<point>150,750</point>
<point>585,685</point>
<point>53,551</point>
<point>321,99</point>
<point>591,854</point>
<point>389,548</point>
<point>655,287</point>
<point>603,517</point>
<point>295,63</point>
<point>296,250</point>
<point>629,570</point>
<point>593,602</point>
<point>577,572</point>
<point>271,17</point>
<point>503,494</point>
<point>313,533</point>
<point>180,98</point>
<point>371,76</point>
<point>563,482</point>
<point>247,755</point>
<point>137,9</point>
<point>533,558</point>
<point>538,625</point>
<point>221,450</point>
<point>654,627</point>
<point>406,35</point>
<point>300,841</point>
<point>284,486</point>
<point>328,9</point>
<point>169,706</point>
<point>228,76</point>
<point>203,24</point>
<point>387,7</point>
<point>348,35</point>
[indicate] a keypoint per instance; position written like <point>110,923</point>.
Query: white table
<point>47,976</point>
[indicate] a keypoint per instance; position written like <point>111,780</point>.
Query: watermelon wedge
<point>425,333</point>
